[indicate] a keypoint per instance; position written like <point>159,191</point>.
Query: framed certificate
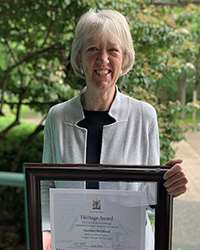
<point>98,207</point>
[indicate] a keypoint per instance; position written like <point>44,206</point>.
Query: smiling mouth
<point>103,72</point>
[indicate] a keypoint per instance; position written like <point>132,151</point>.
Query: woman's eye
<point>91,49</point>
<point>114,50</point>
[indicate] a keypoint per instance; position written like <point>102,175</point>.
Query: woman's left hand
<point>175,179</point>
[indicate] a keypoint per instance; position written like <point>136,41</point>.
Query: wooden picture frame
<point>37,172</point>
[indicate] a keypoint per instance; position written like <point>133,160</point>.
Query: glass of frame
<point>98,207</point>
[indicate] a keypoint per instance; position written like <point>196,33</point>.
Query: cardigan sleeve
<point>154,143</point>
<point>153,149</point>
<point>153,156</point>
<point>48,157</point>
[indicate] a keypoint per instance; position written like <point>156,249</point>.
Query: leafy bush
<point>12,229</point>
<point>12,222</point>
<point>170,130</point>
<point>12,143</point>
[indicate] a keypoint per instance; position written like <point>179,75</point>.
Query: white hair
<point>109,22</point>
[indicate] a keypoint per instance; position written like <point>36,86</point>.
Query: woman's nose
<point>103,56</point>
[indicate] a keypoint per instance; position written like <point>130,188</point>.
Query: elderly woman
<point>103,125</point>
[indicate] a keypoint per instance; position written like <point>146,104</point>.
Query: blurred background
<point>35,73</point>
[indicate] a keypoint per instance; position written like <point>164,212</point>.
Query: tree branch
<point>29,57</point>
<point>9,127</point>
<point>3,89</point>
<point>18,110</point>
<point>48,33</point>
<point>25,59</point>
<point>15,122</point>
<point>197,65</point>
<point>34,54</point>
<point>10,51</point>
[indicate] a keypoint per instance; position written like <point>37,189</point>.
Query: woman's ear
<point>125,62</point>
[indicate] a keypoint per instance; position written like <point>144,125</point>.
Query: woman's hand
<point>46,240</point>
<point>175,179</point>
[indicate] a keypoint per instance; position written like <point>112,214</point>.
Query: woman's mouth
<point>102,72</point>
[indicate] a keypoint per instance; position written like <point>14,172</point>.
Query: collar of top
<point>118,109</point>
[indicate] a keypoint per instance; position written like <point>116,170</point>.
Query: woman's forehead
<point>103,38</point>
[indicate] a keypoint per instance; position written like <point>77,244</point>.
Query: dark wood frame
<point>38,172</point>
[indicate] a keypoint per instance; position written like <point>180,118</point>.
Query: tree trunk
<point>2,99</point>
<point>15,122</point>
<point>195,90</point>
<point>182,91</point>
<point>194,113</point>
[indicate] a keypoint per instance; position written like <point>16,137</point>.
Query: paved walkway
<point>186,235</point>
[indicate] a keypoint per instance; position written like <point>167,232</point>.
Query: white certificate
<point>97,219</point>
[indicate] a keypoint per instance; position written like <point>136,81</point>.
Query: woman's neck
<point>98,101</point>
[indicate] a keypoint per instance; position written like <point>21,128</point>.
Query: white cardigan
<point>133,140</point>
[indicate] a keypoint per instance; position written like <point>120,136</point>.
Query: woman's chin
<point>104,85</point>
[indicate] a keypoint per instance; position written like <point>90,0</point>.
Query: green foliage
<point>39,35</point>
<point>12,219</point>
<point>170,130</point>
<point>36,40</point>
<point>12,143</point>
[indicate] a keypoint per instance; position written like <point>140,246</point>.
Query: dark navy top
<point>94,122</point>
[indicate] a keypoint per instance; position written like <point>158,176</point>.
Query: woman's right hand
<point>46,240</point>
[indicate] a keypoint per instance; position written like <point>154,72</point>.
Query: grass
<point>25,126</point>
<point>26,112</point>
<point>28,122</point>
<point>29,113</point>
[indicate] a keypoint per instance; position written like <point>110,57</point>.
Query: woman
<point>101,120</point>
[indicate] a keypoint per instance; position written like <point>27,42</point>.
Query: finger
<point>172,171</point>
<point>179,177</point>
<point>177,185</point>
<point>178,191</point>
<point>171,163</point>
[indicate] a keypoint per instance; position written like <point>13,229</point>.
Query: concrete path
<point>186,231</point>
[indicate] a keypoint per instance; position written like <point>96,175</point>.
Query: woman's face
<point>101,60</point>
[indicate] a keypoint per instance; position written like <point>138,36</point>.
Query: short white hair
<point>107,22</point>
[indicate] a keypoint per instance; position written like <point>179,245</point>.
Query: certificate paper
<point>97,219</point>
